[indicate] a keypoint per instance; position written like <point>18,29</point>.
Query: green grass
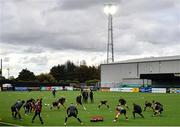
<point>171,114</point>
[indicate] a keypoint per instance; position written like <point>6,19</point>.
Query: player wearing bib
<point>122,101</point>
<point>120,110</point>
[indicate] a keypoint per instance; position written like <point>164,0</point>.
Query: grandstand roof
<point>148,59</point>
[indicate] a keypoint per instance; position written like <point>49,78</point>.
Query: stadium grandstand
<point>157,72</point>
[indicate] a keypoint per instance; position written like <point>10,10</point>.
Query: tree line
<point>65,73</point>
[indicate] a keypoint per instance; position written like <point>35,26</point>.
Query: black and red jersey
<point>38,106</point>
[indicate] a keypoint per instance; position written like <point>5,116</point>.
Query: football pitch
<point>54,117</point>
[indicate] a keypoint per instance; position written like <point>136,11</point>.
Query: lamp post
<point>109,10</point>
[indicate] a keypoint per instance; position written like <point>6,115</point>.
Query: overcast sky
<point>38,34</point>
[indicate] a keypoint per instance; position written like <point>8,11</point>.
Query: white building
<point>155,71</point>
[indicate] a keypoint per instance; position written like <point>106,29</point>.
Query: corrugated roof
<point>149,59</point>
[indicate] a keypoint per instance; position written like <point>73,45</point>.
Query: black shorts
<point>72,114</point>
<point>14,109</point>
<point>79,102</point>
<point>123,111</point>
<point>138,111</point>
<point>122,103</point>
<point>55,104</point>
<point>103,102</point>
<point>27,106</point>
<point>161,109</point>
<point>148,105</point>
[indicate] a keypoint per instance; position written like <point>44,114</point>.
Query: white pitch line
<point>10,124</point>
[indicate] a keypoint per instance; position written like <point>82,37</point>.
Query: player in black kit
<point>15,109</point>
<point>148,105</point>
<point>137,109</point>
<point>91,96</point>
<point>55,104</point>
<point>119,111</point>
<point>62,101</point>
<point>72,111</point>
<point>28,106</point>
<point>54,93</point>
<point>103,102</point>
<point>79,101</point>
<point>158,108</point>
<point>122,101</point>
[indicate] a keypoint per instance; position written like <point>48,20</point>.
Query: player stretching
<point>16,108</point>
<point>72,111</point>
<point>148,105</point>
<point>120,110</point>
<point>103,102</point>
<point>122,101</point>
<point>158,108</point>
<point>79,101</point>
<point>55,104</point>
<point>138,110</point>
<point>27,107</point>
<point>62,101</point>
<point>38,108</point>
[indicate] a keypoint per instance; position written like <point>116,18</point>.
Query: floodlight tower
<point>8,73</point>
<point>109,10</point>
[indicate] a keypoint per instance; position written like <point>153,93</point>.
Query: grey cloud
<point>6,59</point>
<point>39,60</point>
<point>83,4</point>
<point>79,27</point>
<point>33,50</point>
<point>5,52</point>
<point>131,7</point>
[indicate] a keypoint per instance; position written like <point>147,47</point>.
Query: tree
<point>83,73</point>
<point>2,78</point>
<point>44,77</point>
<point>58,72</point>
<point>83,62</point>
<point>26,75</point>
<point>11,78</point>
<point>70,71</point>
<point>94,72</point>
<point>92,82</point>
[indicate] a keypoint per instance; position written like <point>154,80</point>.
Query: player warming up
<point>38,108</point>
<point>148,105</point>
<point>54,93</point>
<point>16,108</point>
<point>79,101</point>
<point>103,102</point>
<point>85,96</point>
<point>137,109</point>
<point>29,106</point>
<point>72,111</point>
<point>91,96</point>
<point>120,110</point>
<point>158,108</point>
<point>62,101</point>
<point>55,104</point>
<point>122,101</point>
